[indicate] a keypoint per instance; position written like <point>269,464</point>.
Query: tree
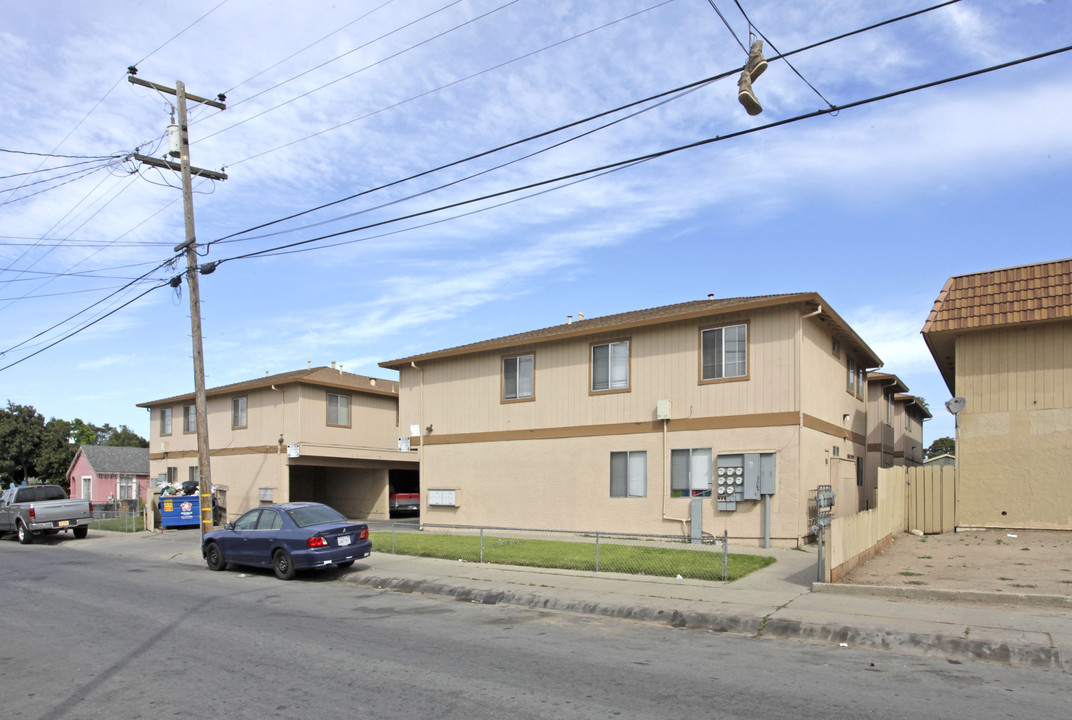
<point>21,432</point>
<point>125,437</point>
<point>941,446</point>
<point>56,453</point>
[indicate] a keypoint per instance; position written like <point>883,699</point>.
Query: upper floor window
<point>861,376</point>
<point>629,474</point>
<point>850,386</point>
<point>690,473</point>
<point>724,352</point>
<point>165,421</point>
<point>517,377</point>
<point>238,412</point>
<point>338,410</point>
<point>610,366</point>
<point>189,418</point>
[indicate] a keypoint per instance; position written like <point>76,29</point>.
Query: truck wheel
<point>25,536</point>
<point>284,568</point>
<point>81,531</point>
<point>214,557</point>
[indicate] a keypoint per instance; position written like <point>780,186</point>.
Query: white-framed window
<point>517,377</point>
<point>165,421</point>
<point>87,487</point>
<point>850,385</point>
<point>238,412</point>
<point>690,473</point>
<point>193,473</point>
<point>338,410</point>
<point>610,366</point>
<point>861,376</point>
<point>724,352</point>
<point>172,475</point>
<point>629,474</point>
<point>128,485</point>
<point>189,418</point>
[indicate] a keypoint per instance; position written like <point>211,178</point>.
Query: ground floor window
<point>127,487</point>
<point>87,487</point>
<point>629,474</point>
<point>690,473</point>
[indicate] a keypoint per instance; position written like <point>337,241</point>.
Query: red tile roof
<point>1025,294</point>
<point>1036,293</point>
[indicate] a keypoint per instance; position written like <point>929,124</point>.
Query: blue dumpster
<point>180,510</point>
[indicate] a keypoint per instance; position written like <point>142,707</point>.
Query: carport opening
<point>403,485</point>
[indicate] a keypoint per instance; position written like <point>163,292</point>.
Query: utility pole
<point>190,246</point>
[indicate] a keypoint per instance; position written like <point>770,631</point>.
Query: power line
<point>728,26</point>
<point>576,123</point>
<point>360,70</point>
<point>662,153</point>
<point>82,328</point>
<point>299,52</point>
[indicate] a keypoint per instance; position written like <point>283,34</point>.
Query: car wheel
<point>81,531</point>
<point>214,557</point>
<point>345,564</point>
<point>284,569</point>
<point>25,536</point>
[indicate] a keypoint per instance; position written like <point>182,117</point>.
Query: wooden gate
<point>930,499</point>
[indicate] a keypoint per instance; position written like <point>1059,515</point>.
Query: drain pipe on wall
<point>683,521</point>
<point>800,425</point>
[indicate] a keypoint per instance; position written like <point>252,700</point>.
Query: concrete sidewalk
<point>780,601</point>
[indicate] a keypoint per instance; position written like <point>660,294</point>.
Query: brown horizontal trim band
<point>829,428</point>
<point>731,422</point>
<point>222,452</point>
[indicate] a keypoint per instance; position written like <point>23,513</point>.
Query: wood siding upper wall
<point>463,394</point>
<point>1011,369</point>
<point>825,392</point>
<point>297,412</point>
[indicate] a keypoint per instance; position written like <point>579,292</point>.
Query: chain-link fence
<point>116,518</point>
<point>630,553</point>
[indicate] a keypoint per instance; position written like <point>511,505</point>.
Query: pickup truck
<point>405,502</point>
<point>34,509</point>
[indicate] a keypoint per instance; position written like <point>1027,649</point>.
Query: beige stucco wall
<point>1014,444</point>
<point>245,460</point>
<point>564,484</point>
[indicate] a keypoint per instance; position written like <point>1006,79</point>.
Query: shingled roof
<point>323,376</point>
<point>1037,293</point>
<point>653,316</point>
<point>107,459</point>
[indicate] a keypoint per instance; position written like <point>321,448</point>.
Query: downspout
<point>683,521</point>
<point>800,427</point>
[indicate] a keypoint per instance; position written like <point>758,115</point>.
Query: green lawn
<point>121,524</point>
<point>631,559</point>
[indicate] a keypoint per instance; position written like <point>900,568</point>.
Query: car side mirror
<point>228,526</point>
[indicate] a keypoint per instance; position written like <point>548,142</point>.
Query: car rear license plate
<point>344,540</point>
<point>63,523</point>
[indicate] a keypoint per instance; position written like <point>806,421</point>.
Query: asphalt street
<point>94,634</point>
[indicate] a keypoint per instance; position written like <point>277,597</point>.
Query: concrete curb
<point>928,644</point>
<point>955,596</point>
<point>1009,653</point>
<point>737,624</point>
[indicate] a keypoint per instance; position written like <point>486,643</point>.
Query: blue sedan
<point>288,538</point>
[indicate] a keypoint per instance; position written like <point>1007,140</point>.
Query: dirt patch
<point>1034,562</point>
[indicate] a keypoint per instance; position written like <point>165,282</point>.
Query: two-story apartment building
<point>621,423</point>
<point>318,434</point>
<point>1002,340</point>
<point>894,430</point>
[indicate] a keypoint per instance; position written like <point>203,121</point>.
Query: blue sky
<point>873,208</point>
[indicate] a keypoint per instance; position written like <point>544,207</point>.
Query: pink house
<point>101,473</point>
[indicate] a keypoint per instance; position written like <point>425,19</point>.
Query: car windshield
<point>314,515</point>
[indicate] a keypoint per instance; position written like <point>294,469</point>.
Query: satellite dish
<point>955,405</point>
